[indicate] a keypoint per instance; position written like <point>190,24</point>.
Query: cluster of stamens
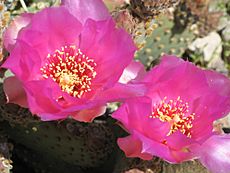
<point>175,112</point>
<point>71,69</point>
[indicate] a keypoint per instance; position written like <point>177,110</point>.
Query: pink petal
<point>125,114</point>
<point>215,154</point>
<point>132,147</point>
<point>180,76</point>
<point>112,52</point>
<point>178,140</point>
<point>134,70</point>
<point>14,91</point>
<point>155,148</point>
<point>16,25</point>
<point>90,9</point>
<point>180,145</point>
<point>218,82</point>
<point>42,99</point>
<point>184,154</point>
<point>120,92</point>
<point>216,106</point>
<point>134,115</point>
<point>24,62</point>
<point>89,114</point>
<point>220,85</point>
<point>50,29</point>
<point>167,64</point>
<point>203,123</point>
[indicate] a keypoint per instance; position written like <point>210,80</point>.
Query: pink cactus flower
<point>174,120</point>
<point>67,61</point>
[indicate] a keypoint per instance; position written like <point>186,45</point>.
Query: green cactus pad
<point>164,40</point>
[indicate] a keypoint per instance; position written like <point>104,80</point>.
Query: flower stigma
<point>176,112</point>
<point>71,69</point>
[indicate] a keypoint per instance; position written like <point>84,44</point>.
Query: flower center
<point>71,69</point>
<point>176,112</point>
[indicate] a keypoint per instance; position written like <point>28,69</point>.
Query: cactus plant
<point>164,39</point>
<point>138,18</point>
<point>78,144</point>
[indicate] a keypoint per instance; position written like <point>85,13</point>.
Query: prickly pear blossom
<point>175,119</point>
<point>67,61</point>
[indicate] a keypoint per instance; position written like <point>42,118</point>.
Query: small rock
<point>206,45</point>
<point>211,49</point>
<point>223,23</point>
